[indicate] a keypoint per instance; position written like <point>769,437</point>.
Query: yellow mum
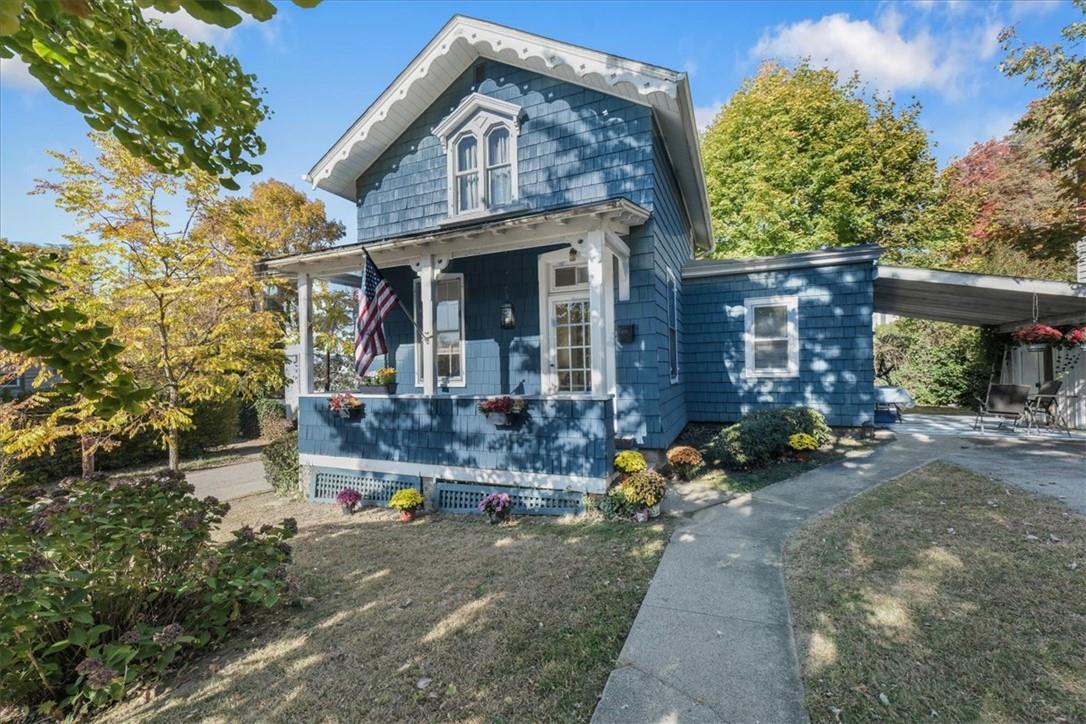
<point>802,441</point>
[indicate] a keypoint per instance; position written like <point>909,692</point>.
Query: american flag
<point>375,300</point>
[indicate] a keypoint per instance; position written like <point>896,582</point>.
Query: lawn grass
<point>447,618</point>
<point>745,481</point>
<point>942,596</point>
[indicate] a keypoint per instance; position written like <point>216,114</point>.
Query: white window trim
<point>792,304</point>
<point>462,380</point>
<point>478,115</point>
<point>672,290</point>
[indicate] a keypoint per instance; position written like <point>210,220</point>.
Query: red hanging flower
<point>1037,334</point>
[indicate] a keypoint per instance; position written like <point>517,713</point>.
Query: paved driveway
<point>230,481</point>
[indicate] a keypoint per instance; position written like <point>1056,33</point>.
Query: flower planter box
<point>388,388</point>
<point>348,413</point>
<point>503,419</point>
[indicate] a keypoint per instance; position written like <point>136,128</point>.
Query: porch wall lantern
<point>508,316</point>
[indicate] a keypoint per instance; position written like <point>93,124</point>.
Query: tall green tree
<point>798,160</point>
<point>1058,119</point>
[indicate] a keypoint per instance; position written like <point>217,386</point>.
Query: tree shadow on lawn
<point>954,596</point>
<point>444,618</point>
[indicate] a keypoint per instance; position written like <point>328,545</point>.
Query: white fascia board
<point>486,476</point>
<point>984,281</point>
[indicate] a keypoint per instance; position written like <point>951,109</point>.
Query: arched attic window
<point>480,141</point>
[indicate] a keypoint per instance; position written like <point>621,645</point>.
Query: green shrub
<point>938,363</point>
<point>102,585</point>
<point>214,423</point>
<point>271,418</point>
<point>630,461</point>
<point>281,465</point>
<point>762,437</point>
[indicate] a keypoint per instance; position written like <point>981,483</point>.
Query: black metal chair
<point>1003,402</point>
<point>1043,408</point>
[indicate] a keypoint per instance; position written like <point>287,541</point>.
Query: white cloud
<point>881,54</point>
<point>14,73</point>
<point>1022,8</point>
<point>704,115</point>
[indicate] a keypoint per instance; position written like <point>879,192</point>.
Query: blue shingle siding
<point>575,146</point>
<point>557,437</point>
<point>836,371</point>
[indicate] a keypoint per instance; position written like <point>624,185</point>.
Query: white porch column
<point>597,260</point>
<point>305,334</point>
<point>424,267</point>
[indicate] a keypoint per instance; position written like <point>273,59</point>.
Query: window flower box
<point>346,406</point>
<point>382,382</point>
<point>502,411</point>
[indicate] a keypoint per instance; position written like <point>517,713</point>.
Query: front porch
<point>521,306</point>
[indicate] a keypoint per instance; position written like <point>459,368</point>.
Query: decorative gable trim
<point>460,43</point>
<point>472,105</point>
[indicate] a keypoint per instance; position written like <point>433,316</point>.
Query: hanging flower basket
<point>502,411</point>
<point>1037,336</point>
<point>346,406</point>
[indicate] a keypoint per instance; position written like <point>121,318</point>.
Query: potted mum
<point>496,506</point>
<point>802,444</point>
<point>348,498</point>
<point>381,382</point>
<point>345,405</point>
<point>644,490</point>
<point>504,410</point>
<point>684,460</point>
<point>407,501</point>
<point>630,461</point>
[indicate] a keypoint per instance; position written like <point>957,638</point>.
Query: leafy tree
<point>333,337</point>
<point>1019,220</point>
<point>180,297</point>
<point>938,363</point>
<point>1059,119</point>
<point>277,219</point>
<point>798,160</point>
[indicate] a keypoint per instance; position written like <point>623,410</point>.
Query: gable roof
<point>465,39</point>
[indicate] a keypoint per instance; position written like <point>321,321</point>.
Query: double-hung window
<point>499,173</point>
<point>448,330</point>
<point>772,337</point>
<point>467,174</point>
<point>673,325</point>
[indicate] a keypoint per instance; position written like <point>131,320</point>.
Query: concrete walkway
<point>713,639</point>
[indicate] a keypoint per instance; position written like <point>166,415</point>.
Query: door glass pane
<point>771,321</point>
<point>772,355</point>
<point>572,337</point>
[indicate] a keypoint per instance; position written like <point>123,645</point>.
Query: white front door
<point>570,344</point>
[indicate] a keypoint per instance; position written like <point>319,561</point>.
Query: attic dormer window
<point>480,141</point>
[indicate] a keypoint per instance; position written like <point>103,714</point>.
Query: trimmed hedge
<point>281,467</point>
<point>761,437</point>
<point>271,418</point>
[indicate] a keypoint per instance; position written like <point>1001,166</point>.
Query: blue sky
<point>322,67</point>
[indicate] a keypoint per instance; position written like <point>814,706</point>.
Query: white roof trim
<point>984,281</point>
<point>464,39</point>
<point>470,106</point>
<point>801,260</point>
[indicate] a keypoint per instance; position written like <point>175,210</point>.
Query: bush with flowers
<point>630,461</point>
<point>496,506</point>
<point>684,460</point>
<point>643,489</point>
<point>348,499</point>
<point>104,583</point>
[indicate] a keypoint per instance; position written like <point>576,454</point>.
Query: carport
<point>1001,302</point>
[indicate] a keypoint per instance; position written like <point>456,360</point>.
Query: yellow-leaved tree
<point>153,260</point>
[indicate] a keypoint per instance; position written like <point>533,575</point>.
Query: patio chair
<point>1003,402</point>
<point>1042,407</point>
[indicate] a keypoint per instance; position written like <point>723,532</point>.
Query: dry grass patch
<point>444,619</point>
<point>942,596</point>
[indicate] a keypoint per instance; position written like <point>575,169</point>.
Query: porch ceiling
<point>976,299</point>
<point>486,237</point>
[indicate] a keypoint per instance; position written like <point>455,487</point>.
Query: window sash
<point>772,353</point>
<point>449,336</point>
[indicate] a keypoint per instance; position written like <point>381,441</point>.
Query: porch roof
<point>460,42</point>
<point>489,236</point>
<point>976,299</point>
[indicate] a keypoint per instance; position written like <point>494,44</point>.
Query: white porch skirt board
<point>543,481</point>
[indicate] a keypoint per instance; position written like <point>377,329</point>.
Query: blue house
<point>538,206</point>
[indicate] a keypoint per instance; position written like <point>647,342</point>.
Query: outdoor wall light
<point>508,316</point>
